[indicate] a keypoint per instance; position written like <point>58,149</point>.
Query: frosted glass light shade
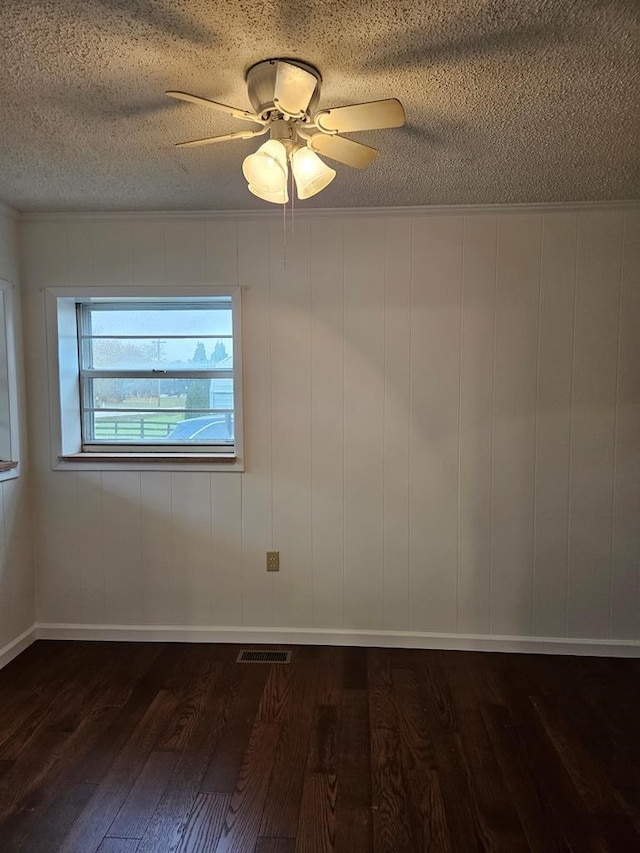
<point>310,173</point>
<point>279,197</point>
<point>266,169</point>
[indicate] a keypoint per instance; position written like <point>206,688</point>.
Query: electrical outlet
<point>273,561</point>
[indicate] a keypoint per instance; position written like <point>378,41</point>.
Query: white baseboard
<point>13,649</point>
<point>335,637</point>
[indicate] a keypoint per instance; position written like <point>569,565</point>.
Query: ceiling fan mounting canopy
<point>269,80</point>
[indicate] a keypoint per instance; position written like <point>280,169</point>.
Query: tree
<point>200,353</point>
<point>219,352</point>
<point>197,398</point>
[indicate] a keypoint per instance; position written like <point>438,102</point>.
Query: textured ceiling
<point>506,100</point>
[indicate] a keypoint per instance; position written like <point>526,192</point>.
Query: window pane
<point>156,409</point>
<point>196,395</point>
<point>158,353</point>
<point>159,321</point>
<point>165,427</point>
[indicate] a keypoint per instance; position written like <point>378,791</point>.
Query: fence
<point>133,429</point>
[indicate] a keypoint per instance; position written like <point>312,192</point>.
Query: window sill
<point>149,462</point>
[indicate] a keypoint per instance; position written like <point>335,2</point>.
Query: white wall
<point>17,586</point>
<point>442,428</point>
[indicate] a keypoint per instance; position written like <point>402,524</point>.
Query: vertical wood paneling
<point>514,400</point>
<point>397,355</point>
<point>476,397</point>
<point>191,543</point>
<point>17,579</point>
<point>88,543</point>
<point>44,254</point>
<point>435,400</point>
<point>148,253</point>
<point>327,421</point>
<point>226,551</point>
<point>253,274</point>
<point>163,589</point>
<point>557,298</point>
<point>36,380</point>
<point>291,423</point>
<point>364,262</point>
<point>122,543</point>
<point>4,572</point>
<point>185,256</point>
<point>16,561</point>
<point>81,261</point>
<point>9,247</point>
<point>221,242</point>
<point>59,578</point>
<point>371,381</point>
<point>112,253</point>
<point>625,568</point>
<point>593,422</point>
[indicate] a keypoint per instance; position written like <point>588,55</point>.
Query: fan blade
<point>222,108</point>
<point>227,137</point>
<point>293,90</point>
<point>376,115</point>
<point>343,150</point>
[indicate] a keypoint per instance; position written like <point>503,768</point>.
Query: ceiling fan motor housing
<point>261,84</point>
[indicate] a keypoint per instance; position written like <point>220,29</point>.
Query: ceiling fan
<point>284,94</point>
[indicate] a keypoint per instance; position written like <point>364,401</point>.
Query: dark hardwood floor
<point>147,748</point>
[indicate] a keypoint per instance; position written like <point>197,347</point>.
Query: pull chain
<point>293,203</point>
<point>284,236</point>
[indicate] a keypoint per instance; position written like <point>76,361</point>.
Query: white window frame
<point>9,436</point>
<point>64,384</point>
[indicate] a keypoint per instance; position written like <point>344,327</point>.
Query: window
<point>147,379</point>
<point>9,432</point>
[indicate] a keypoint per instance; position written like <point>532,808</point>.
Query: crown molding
<point>6,210</point>
<point>323,212</point>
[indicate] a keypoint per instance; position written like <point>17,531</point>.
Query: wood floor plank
<point>353,807</point>
<point>205,823</point>
<point>425,802</point>
<point>93,825</point>
<point>355,669</point>
<point>316,831</point>
<point>614,814</point>
<point>50,714</point>
<point>143,798</point>
<point>275,845</point>
<point>284,682</point>
<point>202,670</point>
<point>98,760</point>
<point>381,694</point>
<point>294,711</point>
<point>497,820</point>
<point>22,834</point>
<point>323,748</point>
<point>41,799</point>
<point>242,823</point>
<point>170,818</point>
<point>225,764</point>
<point>536,812</point>
<point>562,803</point>
<point>119,845</point>
<point>392,830</point>
<point>391,824</point>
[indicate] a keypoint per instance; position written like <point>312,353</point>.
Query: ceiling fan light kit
<point>285,94</point>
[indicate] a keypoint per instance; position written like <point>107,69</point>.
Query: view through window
<point>158,374</point>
